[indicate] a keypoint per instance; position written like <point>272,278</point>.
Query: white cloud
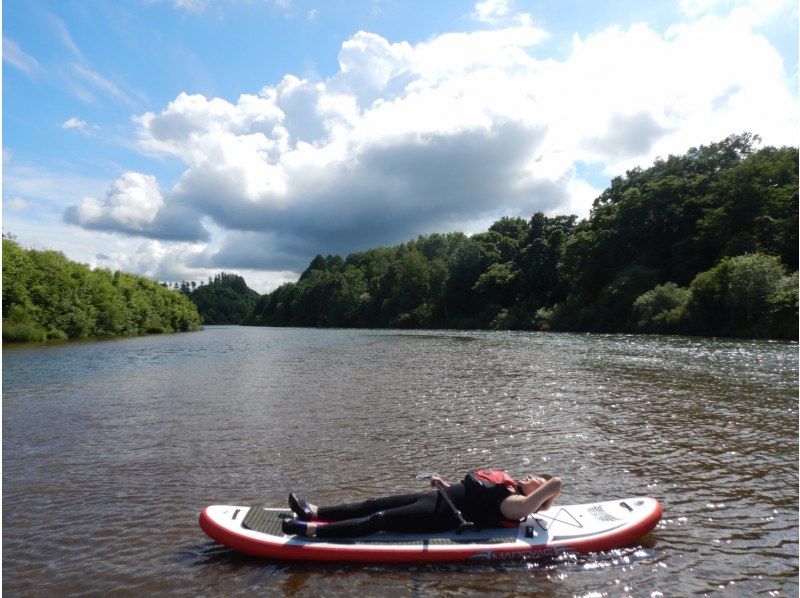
<point>15,204</point>
<point>132,203</point>
<point>190,5</point>
<point>101,83</point>
<point>312,14</point>
<point>18,58</point>
<point>158,260</point>
<point>172,262</point>
<point>66,37</point>
<point>497,12</point>
<point>195,6</point>
<point>81,79</point>
<point>411,138</point>
<point>74,123</point>
<point>490,11</point>
<point>48,188</point>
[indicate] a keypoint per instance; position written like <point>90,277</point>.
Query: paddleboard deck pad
<point>561,529</point>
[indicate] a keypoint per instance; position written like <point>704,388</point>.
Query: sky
<point>180,138</point>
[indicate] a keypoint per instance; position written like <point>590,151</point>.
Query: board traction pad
<point>269,522</point>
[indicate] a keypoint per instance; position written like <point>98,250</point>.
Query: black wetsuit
<point>421,512</point>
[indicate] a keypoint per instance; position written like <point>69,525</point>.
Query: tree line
<point>703,243</point>
<point>47,296</point>
<point>226,299</point>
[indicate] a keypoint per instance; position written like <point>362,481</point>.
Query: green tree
<point>733,297</point>
<point>226,299</point>
<point>661,309</point>
<point>47,295</point>
<point>497,285</point>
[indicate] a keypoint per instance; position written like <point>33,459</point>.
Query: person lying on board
<point>486,497</point>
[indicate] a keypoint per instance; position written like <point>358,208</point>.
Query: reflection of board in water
<point>561,529</point>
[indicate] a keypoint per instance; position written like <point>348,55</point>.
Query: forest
<point>225,299</point>
<point>704,243</point>
<point>47,296</point>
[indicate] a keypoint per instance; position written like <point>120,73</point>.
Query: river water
<point>110,449</point>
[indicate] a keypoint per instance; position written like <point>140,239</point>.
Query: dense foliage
<point>45,295</point>
<point>226,299</point>
<point>703,243</point>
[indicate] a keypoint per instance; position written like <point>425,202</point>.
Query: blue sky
<point>177,138</point>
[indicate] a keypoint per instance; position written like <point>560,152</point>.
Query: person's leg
<point>424,514</point>
<point>365,508</point>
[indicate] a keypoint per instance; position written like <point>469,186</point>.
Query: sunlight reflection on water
<point>111,448</point>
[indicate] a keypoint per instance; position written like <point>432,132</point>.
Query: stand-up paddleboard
<point>561,529</point>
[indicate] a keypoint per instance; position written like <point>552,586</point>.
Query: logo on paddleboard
<point>513,555</point>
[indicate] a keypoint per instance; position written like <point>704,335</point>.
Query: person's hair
<point>518,483</point>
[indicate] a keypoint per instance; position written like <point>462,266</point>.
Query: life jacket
<point>485,489</point>
<point>494,476</point>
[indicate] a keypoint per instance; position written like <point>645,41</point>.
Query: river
<point>111,448</point>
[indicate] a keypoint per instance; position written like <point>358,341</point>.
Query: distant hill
<point>225,299</point>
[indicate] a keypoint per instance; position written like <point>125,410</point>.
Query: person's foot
<point>300,507</point>
<point>293,527</point>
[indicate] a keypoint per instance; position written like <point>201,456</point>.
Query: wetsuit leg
<point>423,514</point>
<point>366,507</point>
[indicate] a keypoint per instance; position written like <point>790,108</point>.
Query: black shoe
<point>300,508</point>
<point>293,527</point>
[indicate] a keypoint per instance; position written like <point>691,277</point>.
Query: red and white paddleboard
<point>561,529</point>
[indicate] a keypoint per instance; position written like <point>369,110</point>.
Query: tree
<point>513,228</point>
<point>45,295</point>
<point>661,309</point>
<point>733,297</point>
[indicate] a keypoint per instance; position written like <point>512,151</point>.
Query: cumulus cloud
<point>628,136</point>
<point>412,138</point>
<point>172,262</point>
<point>134,205</point>
<point>162,261</point>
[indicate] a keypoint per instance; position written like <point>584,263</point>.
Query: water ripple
<point>111,448</point>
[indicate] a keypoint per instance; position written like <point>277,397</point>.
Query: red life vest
<point>496,476</point>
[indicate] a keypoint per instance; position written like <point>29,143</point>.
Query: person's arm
<point>519,507</point>
<point>435,478</point>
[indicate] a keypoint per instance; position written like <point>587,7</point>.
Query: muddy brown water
<point>110,449</point>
